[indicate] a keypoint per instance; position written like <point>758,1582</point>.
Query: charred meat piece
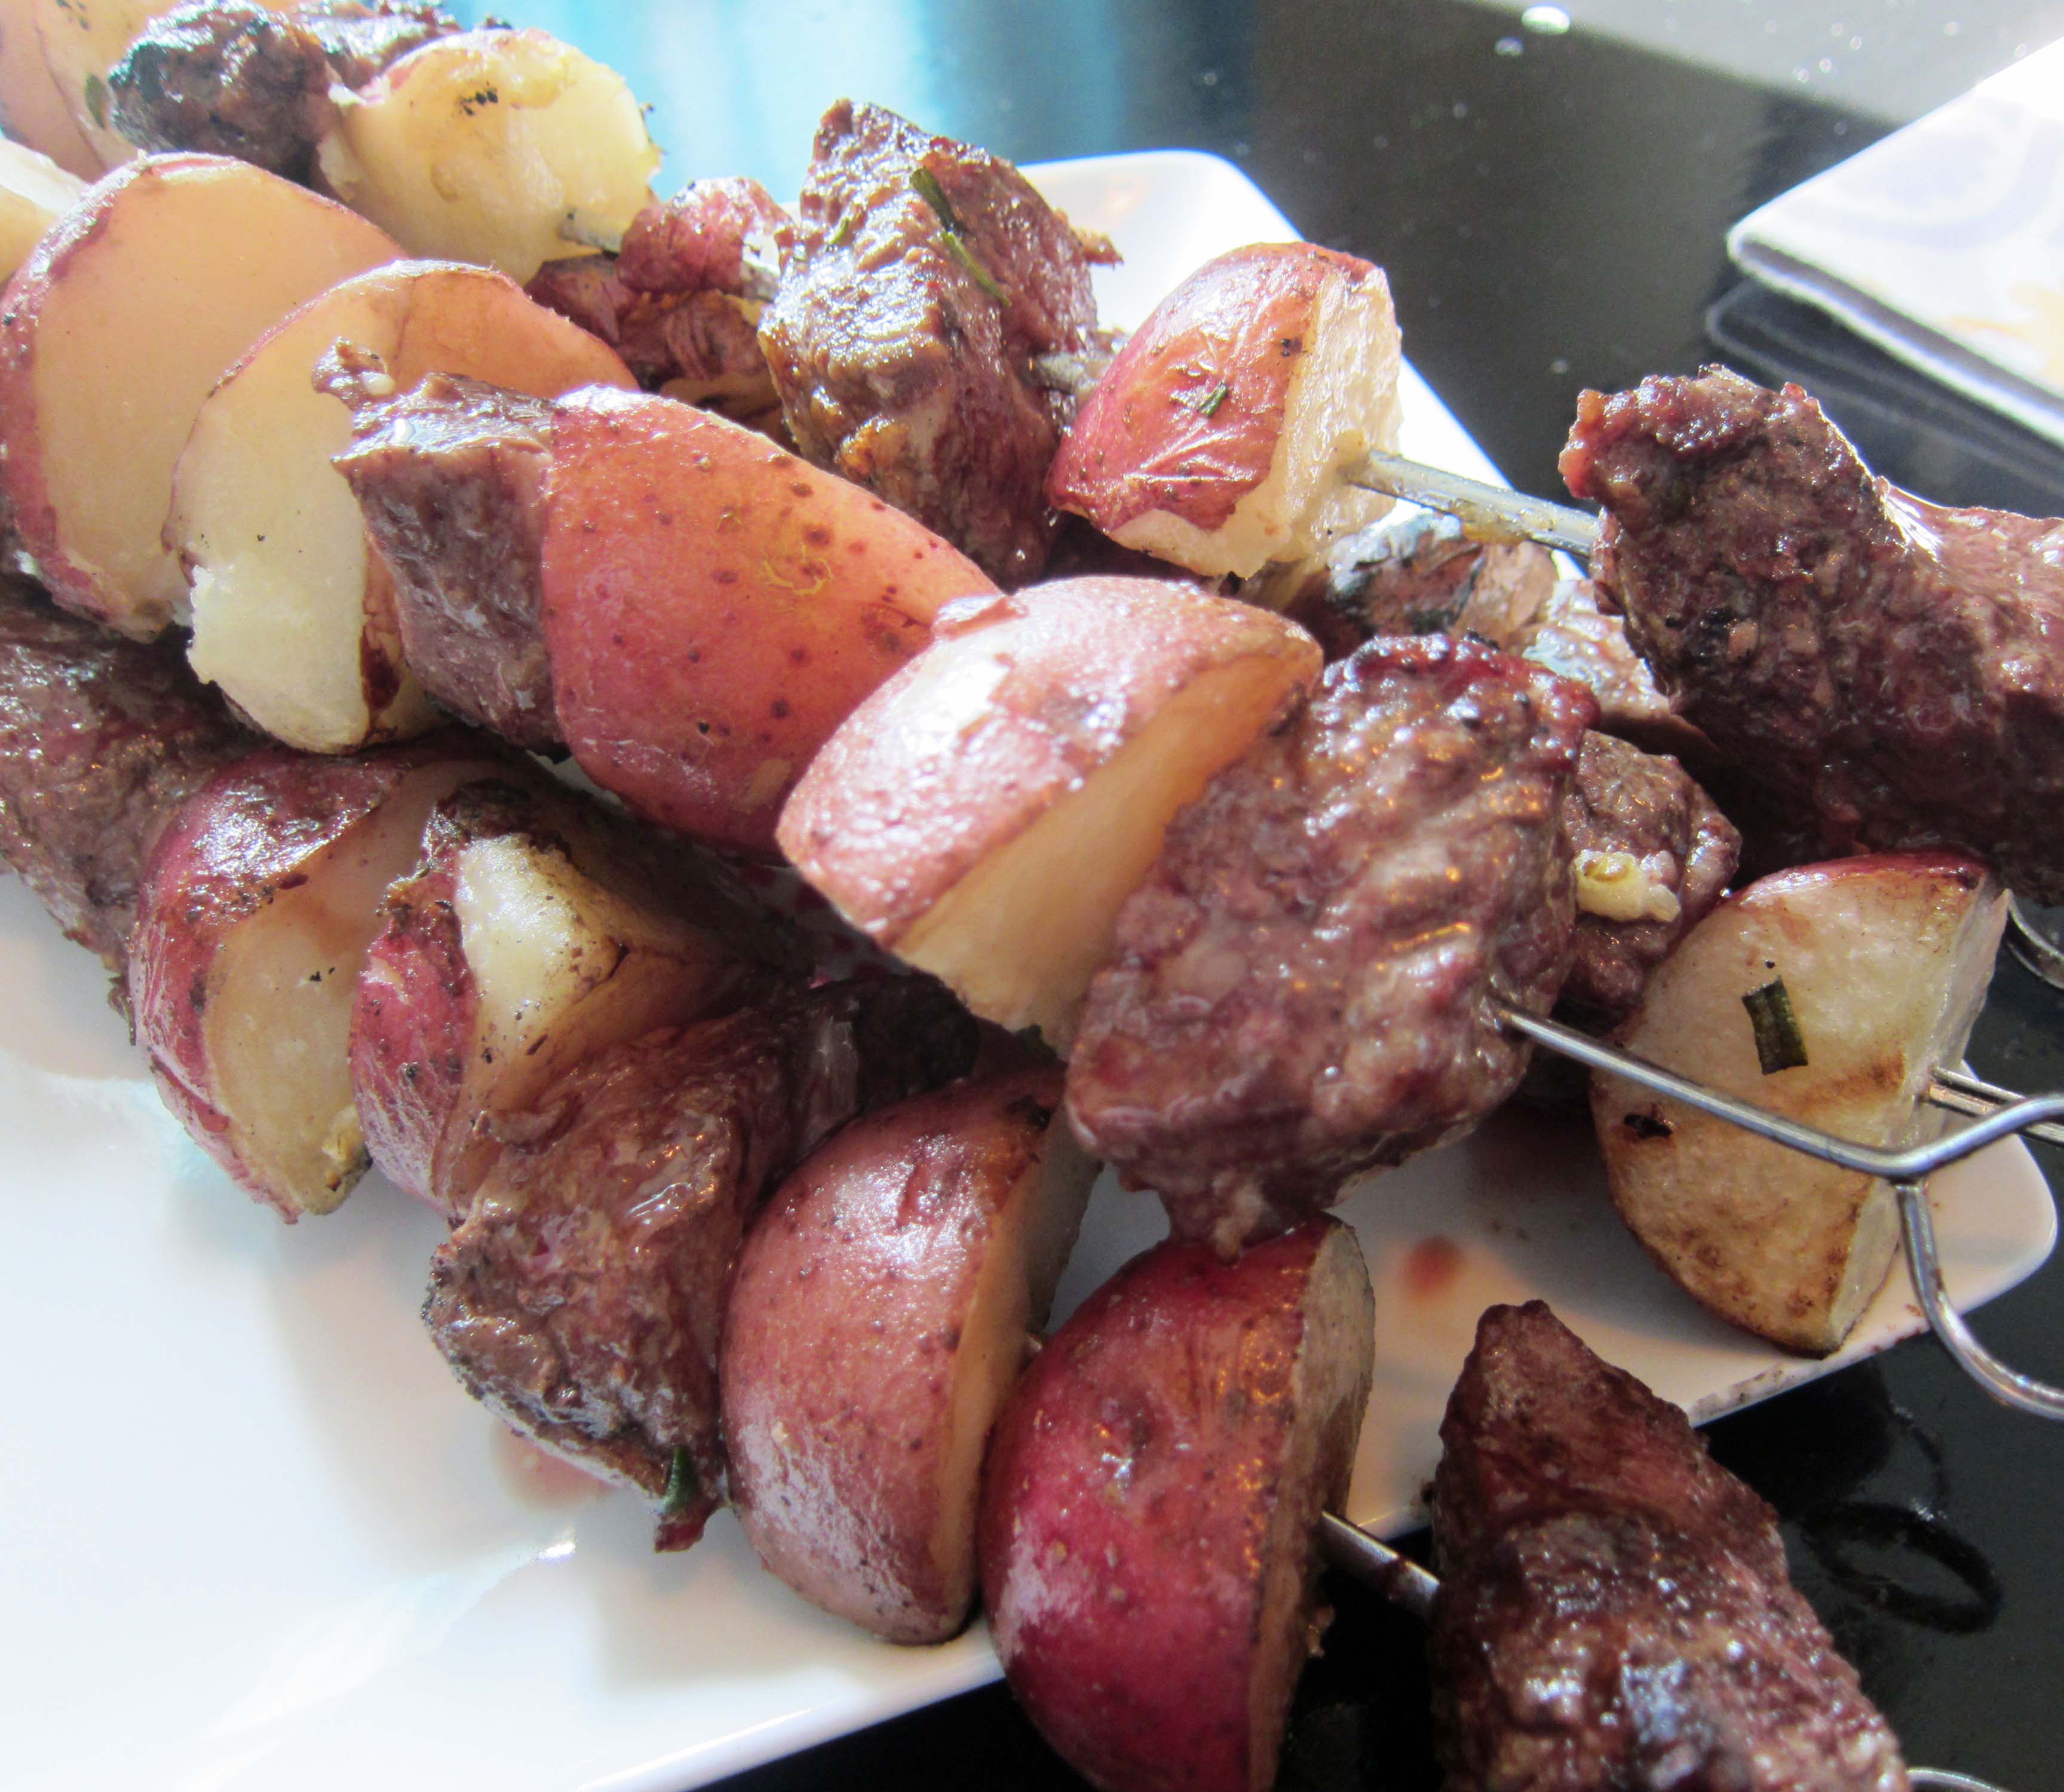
<point>920,282</point>
<point>1653,855</point>
<point>1615,1614</point>
<point>1419,574</point>
<point>450,476</point>
<point>235,78</point>
<point>1893,671</point>
<point>582,1297</point>
<point>101,738</point>
<point>682,302</point>
<point>1305,986</point>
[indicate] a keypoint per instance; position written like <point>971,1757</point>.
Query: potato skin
<point>715,607</point>
<point>1130,1513</point>
<point>843,1350</point>
<point>243,838</point>
<point>966,747</point>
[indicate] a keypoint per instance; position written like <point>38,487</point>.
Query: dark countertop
<point>1551,211</point>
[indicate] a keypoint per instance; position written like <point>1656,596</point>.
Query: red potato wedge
<point>878,1318</point>
<point>291,615</point>
<point>258,903</point>
<point>34,192</point>
<point>1149,1559</point>
<point>1884,961</point>
<point>537,930</point>
<point>509,148</point>
<point>986,812</point>
<point>112,333</point>
<point>32,111</point>
<point>80,40</point>
<point>1216,438</point>
<point>715,607</point>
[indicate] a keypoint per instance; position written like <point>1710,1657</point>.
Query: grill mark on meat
<point>1890,671</point>
<point>1303,989</point>
<point>581,1299</point>
<point>1615,1610</point>
<point>903,348</point>
<point>100,739</point>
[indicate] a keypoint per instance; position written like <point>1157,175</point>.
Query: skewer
<point>1403,1582</point>
<point>1498,514</point>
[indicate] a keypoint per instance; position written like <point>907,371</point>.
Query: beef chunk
<point>1654,853</point>
<point>1615,1614</point>
<point>682,302</point>
<point>235,78</point>
<point>581,1296</point>
<point>1418,574</point>
<point>363,38</point>
<point>450,476</point>
<point>920,282</point>
<point>1305,986</point>
<point>100,739</point>
<point>1892,671</point>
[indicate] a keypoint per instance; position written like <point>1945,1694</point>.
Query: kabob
<point>471,828</point>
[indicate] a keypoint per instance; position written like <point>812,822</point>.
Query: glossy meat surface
<point>450,478</point>
<point>921,280</point>
<point>1645,808</point>
<point>1615,1614</point>
<point>582,1297</point>
<point>100,739</point>
<point>236,77</point>
<point>1893,672</point>
<point>1305,987</point>
<point>682,302</point>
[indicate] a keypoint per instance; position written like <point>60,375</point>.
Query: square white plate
<point>255,1537</point>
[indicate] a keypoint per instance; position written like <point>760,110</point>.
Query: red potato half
<point>985,813</point>
<point>257,905</point>
<point>1884,961</point>
<point>506,147</point>
<point>32,111</point>
<point>291,615</point>
<point>114,332</point>
<point>715,607</point>
<point>879,1316</point>
<point>1148,1547</point>
<point>537,932</point>
<point>1216,438</point>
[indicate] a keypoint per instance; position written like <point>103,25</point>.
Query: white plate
<point>256,1537</point>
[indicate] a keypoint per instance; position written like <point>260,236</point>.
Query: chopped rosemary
<point>926,185</point>
<point>927,188</point>
<point>684,1488</point>
<point>96,99</point>
<point>843,228</point>
<point>1778,1044</point>
<point>1211,400</point>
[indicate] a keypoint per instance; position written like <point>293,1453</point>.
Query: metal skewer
<point>1403,1582</point>
<point>1497,512</point>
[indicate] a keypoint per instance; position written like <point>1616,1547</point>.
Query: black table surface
<point>1550,204</point>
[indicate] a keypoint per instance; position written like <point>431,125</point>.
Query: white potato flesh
<point>563,965</point>
<point>289,612</point>
<point>1342,403</point>
<point>1885,961</point>
<point>31,109</point>
<point>506,147</point>
<point>280,992</point>
<point>120,324</point>
<point>34,191</point>
<point>1019,937</point>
